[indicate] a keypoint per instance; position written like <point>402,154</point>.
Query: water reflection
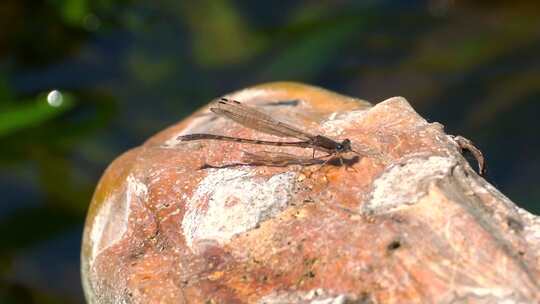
<point>54,98</point>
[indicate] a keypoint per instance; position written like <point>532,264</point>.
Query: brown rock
<point>408,222</point>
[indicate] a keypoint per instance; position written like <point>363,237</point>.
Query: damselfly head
<point>344,146</point>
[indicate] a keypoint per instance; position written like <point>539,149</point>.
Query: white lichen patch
<point>314,296</point>
<point>338,121</point>
<point>393,114</point>
<point>341,299</point>
<point>401,109</point>
<point>232,201</point>
<point>111,220</point>
<point>136,188</point>
<point>531,229</point>
<point>405,183</point>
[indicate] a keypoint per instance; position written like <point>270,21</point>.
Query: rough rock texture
<point>408,222</point>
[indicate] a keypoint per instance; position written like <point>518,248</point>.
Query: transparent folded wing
<point>257,120</point>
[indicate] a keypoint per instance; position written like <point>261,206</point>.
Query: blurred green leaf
<point>29,114</point>
<point>222,36</point>
<point>312,49</point>
<point>73,12</point>
<point>6,95</point>
<point>505,94</point>
<point>443,50</point>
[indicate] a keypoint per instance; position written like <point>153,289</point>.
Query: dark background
<point>128,69</point>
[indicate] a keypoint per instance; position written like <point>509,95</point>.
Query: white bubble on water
<point>54,98</point>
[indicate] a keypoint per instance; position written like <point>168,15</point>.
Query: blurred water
<point>133,68</point>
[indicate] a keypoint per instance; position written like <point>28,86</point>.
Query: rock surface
<point>407,222</point>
